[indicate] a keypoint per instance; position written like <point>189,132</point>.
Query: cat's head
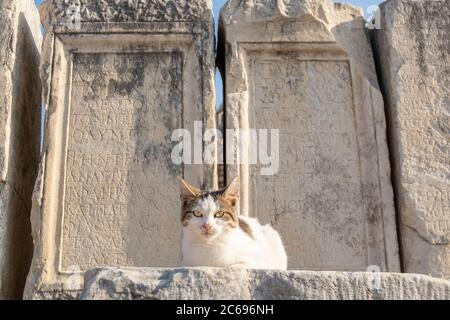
<point>209,214</point>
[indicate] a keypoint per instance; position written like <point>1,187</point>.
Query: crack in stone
<point>421,236</point>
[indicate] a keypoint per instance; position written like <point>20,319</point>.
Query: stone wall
<point>412,50</point>
<point>20,96</point>
<point>120,78</point>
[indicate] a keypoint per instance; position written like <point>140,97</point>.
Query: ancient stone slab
<point>305,67</point>
<point>20,94</point>
<point>119,78</point>
<point>236,284</point>
<point>413,57</point>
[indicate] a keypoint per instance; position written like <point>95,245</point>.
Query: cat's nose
<point>207,226</point>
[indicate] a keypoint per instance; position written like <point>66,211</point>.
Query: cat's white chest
<point>213,255</point>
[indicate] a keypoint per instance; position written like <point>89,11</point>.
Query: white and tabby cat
<point>215,236</point>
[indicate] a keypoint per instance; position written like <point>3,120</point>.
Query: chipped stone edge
<point>164,284</point>
<point>11,9</point>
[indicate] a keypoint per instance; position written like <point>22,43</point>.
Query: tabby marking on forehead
<point>207,204</point>
<point>226,205</point>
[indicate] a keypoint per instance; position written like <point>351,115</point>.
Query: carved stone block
<point>305,68</point>
<point>412,48</point>
<point>119,78</point>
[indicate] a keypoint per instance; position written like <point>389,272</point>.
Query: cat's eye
<point>197,214</point>
<point>219,214</point>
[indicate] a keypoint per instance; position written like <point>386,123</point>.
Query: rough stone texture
<point>119,77</point>
<point>20,42</point>
<point>305,67</point>
<point>412,50</point>
<point>206,283</point>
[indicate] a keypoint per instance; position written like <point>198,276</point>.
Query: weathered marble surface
<point>118,78</point>
<point>209,283</point>
<point>20,92</point>
<point>412,50</point>
<point>305,67</point>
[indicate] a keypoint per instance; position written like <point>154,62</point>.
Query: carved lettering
<point>318,188</point>
<point>124,108</point>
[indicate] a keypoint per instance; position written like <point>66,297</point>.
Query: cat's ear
<point>231,192</point>
<point>188,192</point>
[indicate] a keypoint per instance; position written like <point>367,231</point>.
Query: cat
<point>215,236</point>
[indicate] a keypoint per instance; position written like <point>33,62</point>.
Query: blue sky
<point>219,3</point>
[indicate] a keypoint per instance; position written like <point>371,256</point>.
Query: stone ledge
<point>212,283</point>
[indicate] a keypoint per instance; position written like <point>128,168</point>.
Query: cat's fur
<point>210,239</point>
